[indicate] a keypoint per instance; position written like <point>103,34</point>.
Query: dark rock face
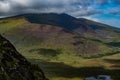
<point>13,66</point>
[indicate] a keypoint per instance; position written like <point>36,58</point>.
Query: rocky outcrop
<point>13,66</point>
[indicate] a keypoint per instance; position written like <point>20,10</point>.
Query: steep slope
<point>41,34</point>
<point>13,66</point>
<point>62,20</point>
<point>102,30</point>
<point>70,23</point>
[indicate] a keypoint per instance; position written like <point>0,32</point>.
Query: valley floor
<point>78,70</point>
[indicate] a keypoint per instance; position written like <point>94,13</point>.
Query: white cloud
<point>73,7</point>
<point>91,18</point>
<point>4,7</point>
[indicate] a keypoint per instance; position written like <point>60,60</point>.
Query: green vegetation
<point>62,54</point>
<point>10,23</point>
<point>41,36</point>
<point>102,55</point>
<point>84,68</point>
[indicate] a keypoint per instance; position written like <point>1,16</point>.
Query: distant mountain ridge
<point>67,22</point>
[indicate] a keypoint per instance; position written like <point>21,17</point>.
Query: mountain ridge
<point>67,22</point>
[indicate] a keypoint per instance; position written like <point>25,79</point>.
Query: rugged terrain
<point>60,33</point>
<point>66,48</point>
<point>13,66</point>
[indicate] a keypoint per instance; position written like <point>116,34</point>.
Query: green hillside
<point>53,42</point>
<point>24,34</point>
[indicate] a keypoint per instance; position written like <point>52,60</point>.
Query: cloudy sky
<point>105,11</point>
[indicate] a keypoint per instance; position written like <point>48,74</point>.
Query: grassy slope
<point>22,33</point>
<point>79,68</point>
<point>8,27</point>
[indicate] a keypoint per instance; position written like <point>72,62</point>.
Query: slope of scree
<point>14,66</point>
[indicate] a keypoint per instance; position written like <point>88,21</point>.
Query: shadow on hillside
<point>115,62</point>
<point>63,20</point>
<point>53,69</point>
<point>115,44</point>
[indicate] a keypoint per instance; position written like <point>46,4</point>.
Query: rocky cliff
<point>13,66</point>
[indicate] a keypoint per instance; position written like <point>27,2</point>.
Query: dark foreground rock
<point>13,66</point>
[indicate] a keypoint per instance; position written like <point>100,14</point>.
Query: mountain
<point>51,35</point>
<point>70,23</point>
<point>13,66</point>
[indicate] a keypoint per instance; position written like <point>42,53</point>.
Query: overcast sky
<point>105,11</point>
